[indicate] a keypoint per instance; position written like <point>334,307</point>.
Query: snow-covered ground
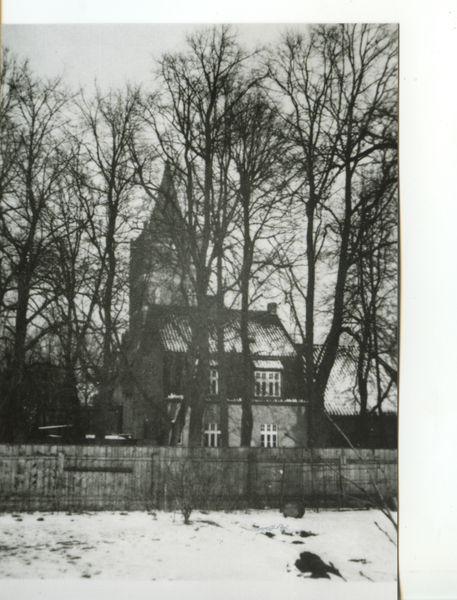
<point>235,546</point>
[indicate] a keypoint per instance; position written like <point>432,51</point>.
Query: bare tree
<point>110,125</point>
<point>33,161</point>
<point>73,283</point>
<point>259,144</point>
<point>341,86</point>
<point>371,291</point>
<point>201,90</point>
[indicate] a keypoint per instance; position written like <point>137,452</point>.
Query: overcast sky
<point>110,54</point>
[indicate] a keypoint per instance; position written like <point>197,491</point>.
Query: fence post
<point>161,477</point>
<point>251,476</point>
<point>342,461</point>
<point>155,466</point>
<point>283,476</point>
<point>59,480</point>
<point>315,501</point>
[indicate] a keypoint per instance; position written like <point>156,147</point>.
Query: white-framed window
<point>268,383</point>
<point>269,436</point>
<point>213,382</point>
<point>212,435</point>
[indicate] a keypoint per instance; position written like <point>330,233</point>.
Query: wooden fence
<point>43,477</point>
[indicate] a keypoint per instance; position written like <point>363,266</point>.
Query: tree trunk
<point>221,358</point>
<point>16,428</point>
<point>107,370</point>
<point>315,404</point>
<point>320,427</point>
<point>247,421</point>
<point>362,379</point>
<point>178,425</point>
<point>198,370</point>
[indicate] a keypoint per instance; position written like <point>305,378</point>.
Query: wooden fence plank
<point>87,477</point>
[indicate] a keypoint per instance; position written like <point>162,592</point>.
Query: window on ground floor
<point>212,435</point>
<point>268,383</point>
<point>269,436</point>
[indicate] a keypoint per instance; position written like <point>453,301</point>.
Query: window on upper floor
<point>269,436</point>
<point>268,383</point>
<point>212,435</point>
<point>213,382</point>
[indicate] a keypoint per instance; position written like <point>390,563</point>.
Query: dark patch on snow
<point>305,534</point>
<point>67,543</point>
<point>311,563</point>
<point>40,519</point>
<point>297,542</point>
<point>8,548</point>
<point>366,576</point>
<point>364,561</point>
<point>210,523</point>
<point>269,534</point>
<point>284,532</point>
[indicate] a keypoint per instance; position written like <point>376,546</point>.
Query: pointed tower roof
<point>166,209</point>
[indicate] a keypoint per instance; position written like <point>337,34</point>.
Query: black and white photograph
<point>199,308</point>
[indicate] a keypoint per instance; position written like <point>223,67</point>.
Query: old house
<point>162,309</point>
<point>161,312</point>
<point>279,411</point>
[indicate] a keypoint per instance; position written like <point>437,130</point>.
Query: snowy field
<point>240,545</point>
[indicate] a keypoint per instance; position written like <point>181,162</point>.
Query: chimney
<point>272,308</point>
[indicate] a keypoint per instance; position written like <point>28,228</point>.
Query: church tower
<point>159,262</point>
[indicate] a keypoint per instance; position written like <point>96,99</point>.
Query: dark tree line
<point>284,164</point>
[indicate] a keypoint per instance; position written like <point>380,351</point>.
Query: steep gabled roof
<point>341,395</point>
<point>266,332</point>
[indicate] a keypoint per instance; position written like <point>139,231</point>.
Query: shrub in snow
<point>189,487</point>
